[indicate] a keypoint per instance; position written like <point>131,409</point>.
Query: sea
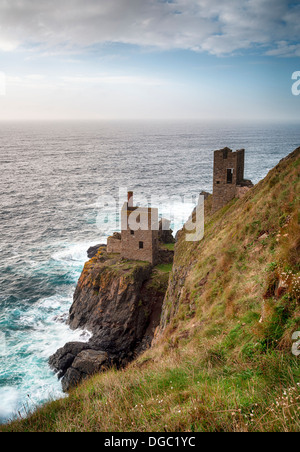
<point>61,187</point>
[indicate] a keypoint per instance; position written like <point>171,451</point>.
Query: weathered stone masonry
<point>229,179</point>
<point>139,233</point>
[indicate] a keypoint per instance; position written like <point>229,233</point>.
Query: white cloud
<point>8,44</point>
<point>214,26</point>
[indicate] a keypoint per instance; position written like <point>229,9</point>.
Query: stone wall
<point>228,174</point>
<point>140,234</point>
<point>113,245</point>
<point>142,245</point>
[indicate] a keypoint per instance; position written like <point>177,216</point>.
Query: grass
<point>164,267</point>
<point>179,393</point>
<point>221,360</point>
<point>169,246</point>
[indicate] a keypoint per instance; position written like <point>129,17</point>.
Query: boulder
<point>93,250</point>
<point>90,361</point>
<point>71,379</point>
<point>64,357</point>
<point>86,364</point>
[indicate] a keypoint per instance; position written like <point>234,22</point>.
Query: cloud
<point>285,49</point>
<point>213,26</point>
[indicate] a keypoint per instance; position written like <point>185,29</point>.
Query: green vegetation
<point>169,246</point>
<point>159,278</point>
<point>164,267</point>
<point>222,360</point>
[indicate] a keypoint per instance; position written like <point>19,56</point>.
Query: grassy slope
<point>223,360</point>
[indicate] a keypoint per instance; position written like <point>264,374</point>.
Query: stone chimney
<point>130,199</point>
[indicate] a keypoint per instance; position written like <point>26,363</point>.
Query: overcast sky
<point>179,59</point>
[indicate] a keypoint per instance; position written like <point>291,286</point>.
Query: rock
<point>76,361</point>
<point>206,194</point>
<point>64,357</point>
<point>64,363</point>
<point>165,256</point>
<point>106,300</point>
<point>71,379</point>
<point>119,302</point>
<point>165,233</point>
<point>62,318</point>
<point>87,363</point>
<point>93,250</point>
<point>90,362</point>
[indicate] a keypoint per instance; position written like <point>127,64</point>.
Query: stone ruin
<point>228,182</point>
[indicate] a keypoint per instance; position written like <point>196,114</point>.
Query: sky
<point>150,59</point>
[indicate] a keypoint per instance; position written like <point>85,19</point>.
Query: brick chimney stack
<point>130,199</point>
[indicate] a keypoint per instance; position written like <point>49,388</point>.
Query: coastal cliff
<point>119,302</point>
<point>223,357</point>
<point>247,260</point>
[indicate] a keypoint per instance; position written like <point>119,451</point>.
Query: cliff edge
<point>226,354</point>
<point>119,302</point>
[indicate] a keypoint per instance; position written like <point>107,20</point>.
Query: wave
<point>32,332</point>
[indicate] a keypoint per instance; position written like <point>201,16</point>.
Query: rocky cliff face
<point>119,302</point>
<point>249,256</point>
